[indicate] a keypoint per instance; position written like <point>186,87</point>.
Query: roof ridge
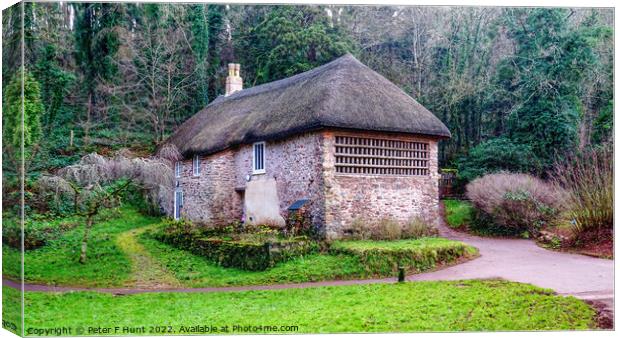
<point>329,94</point>
<point>276,84</point>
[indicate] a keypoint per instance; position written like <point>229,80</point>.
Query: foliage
<point>290,40</point>
<point>384,257</point>
<point>511,204</point>
<point>389,229</point>
<point>126,75</point>
<point>604,124</point>
<point>94,174</point>
<point>37,233</point>
<point>475,305</point>
<point>18,130</point>
<point>458,213</point>
<point>299,223</point>
<point>589,179</point>
<point>499,154</point>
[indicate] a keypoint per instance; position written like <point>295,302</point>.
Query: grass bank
<point>422,254</point>
<point>57,262</point>
<point>406,307</point>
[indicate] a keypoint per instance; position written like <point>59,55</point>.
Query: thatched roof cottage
<point>340,138</point>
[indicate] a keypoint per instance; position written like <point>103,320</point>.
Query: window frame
<point>178,203</point>
<point>177,169</point>
<point>196,165</point>
<point>262,170</point>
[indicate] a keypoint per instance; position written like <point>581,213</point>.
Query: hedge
<point>417,255</point>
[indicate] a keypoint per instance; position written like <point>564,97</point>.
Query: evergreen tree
<point>14,132</point>
<point>548,67</point>
<point>291,40</point>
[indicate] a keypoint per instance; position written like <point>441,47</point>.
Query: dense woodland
<point>516,87</point>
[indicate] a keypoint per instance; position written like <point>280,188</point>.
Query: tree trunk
<point>89,224</point>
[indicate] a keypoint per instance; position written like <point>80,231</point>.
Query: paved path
<point>522,260</point>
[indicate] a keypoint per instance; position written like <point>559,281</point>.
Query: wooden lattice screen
<point>358,155</point>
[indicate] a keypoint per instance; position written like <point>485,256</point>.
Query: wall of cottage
<point>303,167</point>
<point>215,197</point>
<point>210,198</point>
<point>372,197</point>
<point>295,163</point>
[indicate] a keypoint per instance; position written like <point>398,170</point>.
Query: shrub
<point>458,213</point>
<point>389,229</point>
<point>511,204</point>
<point>37,233</point>
<point>418,227</point>
<point>496,155</point>
<point>299,222</point>
<point>588,178</point>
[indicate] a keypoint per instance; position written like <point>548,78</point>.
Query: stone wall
<point>210,198</point>
<point>295,164</point>
<point>368,197</point>
<point>303,167</point>
<point>216,195</point>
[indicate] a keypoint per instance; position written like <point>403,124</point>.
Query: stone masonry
<point>372,197</point>
<point>303,167</point>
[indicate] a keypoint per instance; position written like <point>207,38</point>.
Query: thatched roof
<point>341,94</point>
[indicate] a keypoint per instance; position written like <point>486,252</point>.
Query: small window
<point>196,165</point>
<point>178,203</point>
<point>177,169</point>
<point>258,158</point>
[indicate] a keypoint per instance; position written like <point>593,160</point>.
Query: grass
<point>122,253</point>
<point>195,271</point>
<point>398,245</point>
<point>146,271</point>
<point>57,262</point>
<point>407,307</point>
<point>458,213</point>
<point>414,255</point>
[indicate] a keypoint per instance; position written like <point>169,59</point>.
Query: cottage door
<point>178,203</point>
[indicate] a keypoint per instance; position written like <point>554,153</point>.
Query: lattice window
<point>371,156</point>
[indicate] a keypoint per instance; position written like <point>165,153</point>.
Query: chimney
<point>234,82</point>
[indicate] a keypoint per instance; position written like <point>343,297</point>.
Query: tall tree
<point>548,66</point>
<point>290,40</point>
<point>21,120</point>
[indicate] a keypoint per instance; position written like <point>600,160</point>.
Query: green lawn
<point>458,213</point>
<point>406,307</point>
<point>57,262</point>
<point>121,254</point>
<point>195,271</point>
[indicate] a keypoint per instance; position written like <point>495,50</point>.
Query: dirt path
<point>146,272</point>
